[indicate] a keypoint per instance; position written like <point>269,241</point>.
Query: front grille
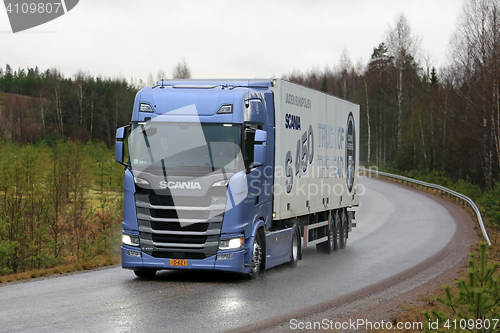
<point>184,214</point>
<point>191,232</point>
<point>168,200</point>
<point>179,239</point>
<point>176,226</point>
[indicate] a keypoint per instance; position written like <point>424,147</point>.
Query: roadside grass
<point>100,261</point>
<point>413,311</point>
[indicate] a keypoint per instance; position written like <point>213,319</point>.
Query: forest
<point>61,198</point>
<point>58,204</point>
<point>47,106</point>
<point>414,116</point>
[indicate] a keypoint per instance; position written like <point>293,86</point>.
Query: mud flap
<point>351,216</point>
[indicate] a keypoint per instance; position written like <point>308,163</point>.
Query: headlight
<point>231,243</point>
<point>130,240</point>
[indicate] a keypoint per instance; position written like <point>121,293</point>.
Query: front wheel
<point>256,257</point>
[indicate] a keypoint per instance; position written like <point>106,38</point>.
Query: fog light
<point>225,256</point>
<point>133,253</point>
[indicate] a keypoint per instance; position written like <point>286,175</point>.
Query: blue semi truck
<point>236,175</point>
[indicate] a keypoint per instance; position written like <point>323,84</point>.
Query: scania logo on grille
<point>180,185</point>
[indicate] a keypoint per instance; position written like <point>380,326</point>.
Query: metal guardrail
<point>443,189</point>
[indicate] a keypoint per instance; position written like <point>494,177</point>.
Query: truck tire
<point>256,257</point>
<point>295,250</point>
<point>343,229</point>
<point>145,273</point>
<point>331,244</point>
<point>336,230</point>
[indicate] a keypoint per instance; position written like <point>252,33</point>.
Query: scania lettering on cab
<point>236,175</point>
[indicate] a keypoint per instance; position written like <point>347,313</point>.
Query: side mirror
<point>120,145</point>
<point>259,152</point>
<point>260,136</point>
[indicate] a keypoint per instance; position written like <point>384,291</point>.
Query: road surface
<point>397,229</point>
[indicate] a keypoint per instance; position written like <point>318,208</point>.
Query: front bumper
<point>235,264</point>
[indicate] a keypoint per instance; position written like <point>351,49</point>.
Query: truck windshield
<point>185,148</point>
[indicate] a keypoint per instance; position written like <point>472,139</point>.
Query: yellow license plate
<point>178,262</point>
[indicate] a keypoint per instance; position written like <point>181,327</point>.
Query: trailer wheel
<point>294,258</point>
<point>336,230</point>
<point>343,229</point>
<point>331,244</point>
<point>145,273</point>
<point>256,257</point>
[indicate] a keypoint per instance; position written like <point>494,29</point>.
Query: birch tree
<point>402,45</point>
<point>181,70</point>
<point>475,52</point>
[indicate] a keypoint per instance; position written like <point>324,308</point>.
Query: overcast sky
<point>221,39</point>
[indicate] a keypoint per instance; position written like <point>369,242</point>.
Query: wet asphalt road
<point>396,229</point>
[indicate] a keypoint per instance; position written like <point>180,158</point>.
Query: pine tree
<point>476,303</point>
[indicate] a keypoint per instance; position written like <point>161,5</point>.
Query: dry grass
<point>61,269</point>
